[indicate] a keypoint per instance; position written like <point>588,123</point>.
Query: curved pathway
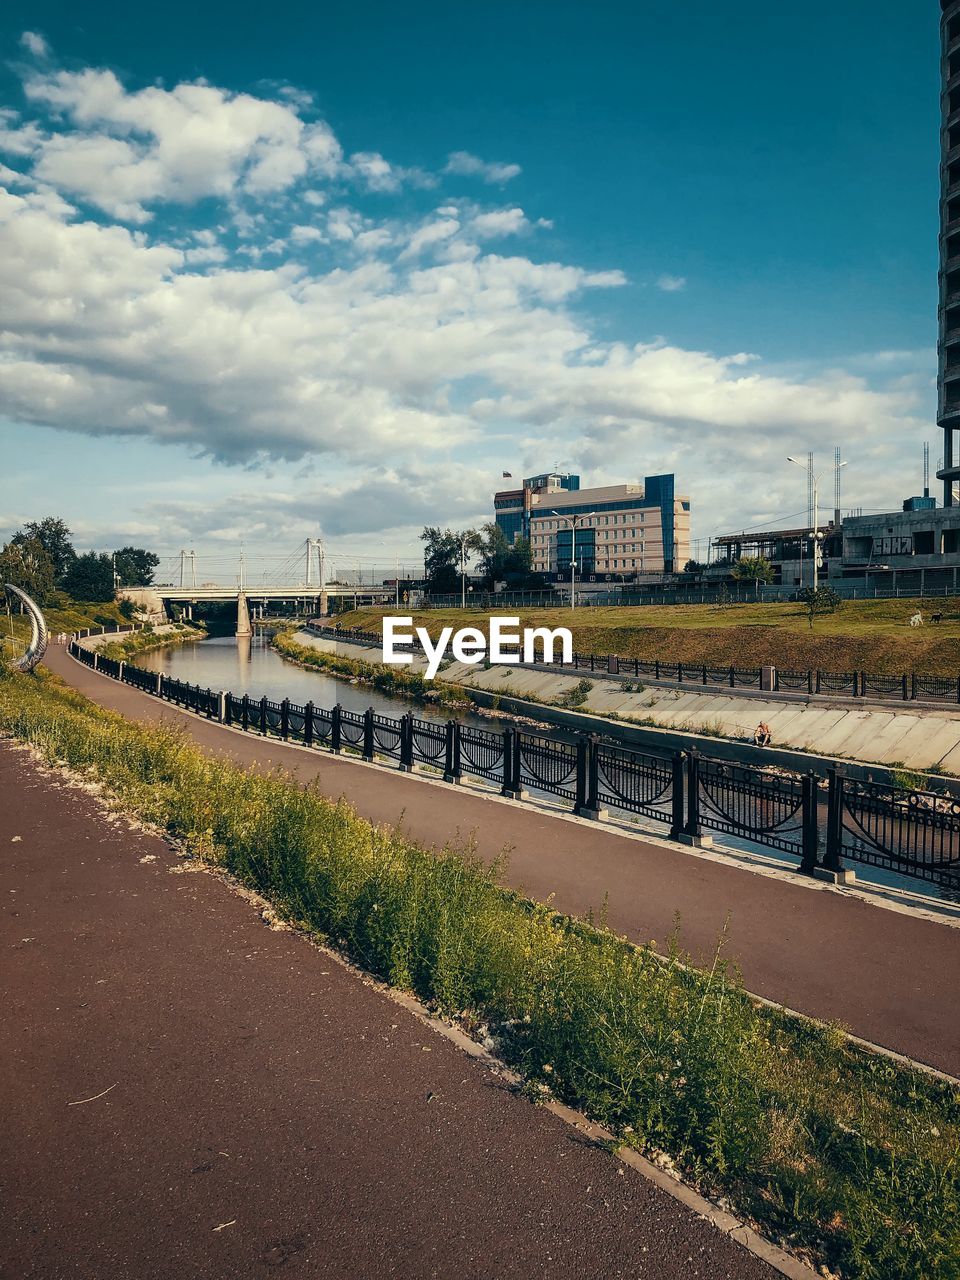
<point>888,975</point>
<point>189,1094</point>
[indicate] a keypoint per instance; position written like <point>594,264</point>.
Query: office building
<point>615,533</point>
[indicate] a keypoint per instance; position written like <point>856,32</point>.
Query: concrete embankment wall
<point>810,732</point>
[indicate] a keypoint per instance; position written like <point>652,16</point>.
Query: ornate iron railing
<point>773,809</point>
<point>914,833</point>
<point>849,684</point>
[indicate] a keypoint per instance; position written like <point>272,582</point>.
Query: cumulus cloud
<point>470,166</point>
<point>671,284</point>
<point>405,337</point>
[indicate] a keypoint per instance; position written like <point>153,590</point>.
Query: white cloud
<point>467,165</point>
<point>127,150</point>
<point>305,235</point>
<point>412,342</point>
<point>503,222</point>
<point>34,43</point>
<point>671,284</point>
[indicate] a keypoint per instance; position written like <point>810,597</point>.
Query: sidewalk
<point>189,1094</point>
<point>889,976</point>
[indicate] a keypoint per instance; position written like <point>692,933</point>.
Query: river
<point>251,666</point>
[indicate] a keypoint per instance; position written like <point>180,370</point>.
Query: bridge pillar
<point>243,616</point>
<point>323,604</point>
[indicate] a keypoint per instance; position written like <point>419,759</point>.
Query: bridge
<point>300,579</point>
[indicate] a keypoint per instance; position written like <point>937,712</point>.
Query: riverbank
<point>863,635</point>
<point>156,637</point>
<point>749,1103</point>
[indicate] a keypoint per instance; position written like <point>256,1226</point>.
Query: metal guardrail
<point>907,687</point>
<point>821,823</point>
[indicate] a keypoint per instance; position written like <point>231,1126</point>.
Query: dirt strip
<point>889,976</point>
<point>189,1093</point>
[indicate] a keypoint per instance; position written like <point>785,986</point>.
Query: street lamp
<point>815,480</point>
<point>462,540</point>
<point>573,521</point>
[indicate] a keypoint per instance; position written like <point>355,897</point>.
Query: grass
<point>863,635</point>
<point>395,681</point>
<point>143,641</point>
<point>62,614</point>
<point>846,1155</point>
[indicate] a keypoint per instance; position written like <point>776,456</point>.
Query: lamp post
<point>815,480</point>
<point>573,521</point>
<point>462,540</point>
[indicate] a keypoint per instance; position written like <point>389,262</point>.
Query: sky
<point>288,271</point>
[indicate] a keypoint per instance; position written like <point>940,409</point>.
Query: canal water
<point>252,667</point>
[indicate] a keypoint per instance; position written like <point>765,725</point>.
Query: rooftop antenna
<point>809,488</point>
<point>836,486</point>
<point>926,469</point>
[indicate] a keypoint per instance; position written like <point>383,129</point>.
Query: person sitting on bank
<point>762,735</point>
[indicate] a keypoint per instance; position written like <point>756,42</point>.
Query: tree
<point>693,566</point>
<point>134,566</point>
<point>90,577</point>
<point>53,534</point>
<point>755,569</point>
<point>441,557</point>
<point>493,551</point>
<point>25,563</point>
<point>819,600</point>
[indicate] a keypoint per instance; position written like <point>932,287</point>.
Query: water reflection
<point>248,665</point>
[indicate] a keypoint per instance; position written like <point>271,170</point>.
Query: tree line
<point>448,551</point>
<point>41,559</point>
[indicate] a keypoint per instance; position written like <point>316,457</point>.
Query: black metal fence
<point>821,822</point>
<point>849,684</point>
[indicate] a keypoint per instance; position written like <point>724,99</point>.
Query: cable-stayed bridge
<point>306,579</point>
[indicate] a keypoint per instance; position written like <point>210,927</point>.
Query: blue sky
<point>390,252</point>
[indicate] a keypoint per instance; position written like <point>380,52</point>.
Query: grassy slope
<point>64,615</point>
<point>861,635</point>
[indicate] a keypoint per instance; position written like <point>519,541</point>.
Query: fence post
<point>96,661</point>
<point>335,722</point>
<point>819,674</point>
<point>810,829</point>
<point>222,707</point>
<point>656,669</point>
<point>308,724</point>
<point>833,860</point>
<point>906,694</point>
<point>159,689</point>
<point>263,715</point>
<point>368,745</point>
<point>245,713</point>
<point>692,832</point>
<point>406,742</point>
<point>511,764</point>
<point>809,682</point>
<point>452,771</point>
<point>733,678</point>
<point>676,823</point>
<point>120,667</point>
<point>285,718</point>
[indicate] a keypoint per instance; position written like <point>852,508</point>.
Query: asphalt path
<point>190,1093</point>
<point>889,976</point>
